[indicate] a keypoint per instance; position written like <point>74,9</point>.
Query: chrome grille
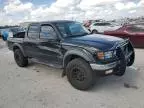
<point>121,44</point>
<point>122,48</point>
<point>125,49</point>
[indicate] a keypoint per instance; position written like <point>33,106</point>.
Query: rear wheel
<point>20,59</point>
<point>3,38</point>
<point>80,74</point>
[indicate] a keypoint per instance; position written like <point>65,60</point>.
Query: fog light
<point>109,72</point>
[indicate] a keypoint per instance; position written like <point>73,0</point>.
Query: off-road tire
<point>131,60</point>
<point>121,68</point>
<point>2,38</point>
<point>82,67</point>
<point>20,59</point>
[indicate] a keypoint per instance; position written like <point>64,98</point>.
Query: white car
<point>100,27</point>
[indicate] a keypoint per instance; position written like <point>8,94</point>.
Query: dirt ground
<point>40,86</point>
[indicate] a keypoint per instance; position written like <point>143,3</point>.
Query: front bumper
<point>104,67</point>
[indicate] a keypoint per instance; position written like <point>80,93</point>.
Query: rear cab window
<point>33,31</point>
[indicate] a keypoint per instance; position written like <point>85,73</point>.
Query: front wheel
<point>121,68</point>
<point>80,74</point>
<point>20,59</point>
<point>131,59</point>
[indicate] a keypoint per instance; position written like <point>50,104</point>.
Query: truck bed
<point>17,38</point>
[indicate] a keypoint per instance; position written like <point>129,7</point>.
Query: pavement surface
<point>40,86</point>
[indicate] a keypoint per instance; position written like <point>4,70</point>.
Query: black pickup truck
<point>68,45</point>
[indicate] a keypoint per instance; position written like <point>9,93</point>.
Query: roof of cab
<point>54,21</point>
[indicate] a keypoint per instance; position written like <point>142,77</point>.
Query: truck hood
<point>98,41</point>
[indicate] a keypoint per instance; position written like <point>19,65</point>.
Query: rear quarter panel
<point>12,41</point>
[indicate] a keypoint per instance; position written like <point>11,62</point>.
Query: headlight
<point>106,55</point>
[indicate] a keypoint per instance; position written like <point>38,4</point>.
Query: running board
<point>54,65</point>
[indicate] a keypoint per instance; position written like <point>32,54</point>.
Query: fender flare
<point>78,52</point>
<point>20,47</point>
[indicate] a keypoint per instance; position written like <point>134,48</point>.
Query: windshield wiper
<point>79,34</point>
<point>84,34</point>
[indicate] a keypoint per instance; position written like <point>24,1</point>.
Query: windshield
<point>71,29</point>
<point>102,24</point>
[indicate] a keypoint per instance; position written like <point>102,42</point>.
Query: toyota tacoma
<point>68,45</point>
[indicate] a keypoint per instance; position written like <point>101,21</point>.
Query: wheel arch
<point>77,54</point>
<point>72,54</point>
<point>18,46</point>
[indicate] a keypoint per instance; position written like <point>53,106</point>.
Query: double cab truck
<point>68,45</point>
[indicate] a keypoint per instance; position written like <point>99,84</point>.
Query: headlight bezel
<point>106,55</point>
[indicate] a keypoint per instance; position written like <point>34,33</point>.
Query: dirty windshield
<point>71,29</point>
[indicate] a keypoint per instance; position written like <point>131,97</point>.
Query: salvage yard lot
<point>40,86</point>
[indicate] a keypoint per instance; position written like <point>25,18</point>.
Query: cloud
<point>132,11</point>
<point>84,3</point>
<point>15,11</point>
<point>119,6</point>
<point>129,5</point>
<point>61,9</point>
<point>15,6</point>
<point>141,3</point>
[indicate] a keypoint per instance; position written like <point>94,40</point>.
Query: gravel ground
<point>40,86</point>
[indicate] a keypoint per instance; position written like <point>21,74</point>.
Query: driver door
<point>49,46</point>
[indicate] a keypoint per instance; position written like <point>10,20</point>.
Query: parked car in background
<point>134,32</point>
<point>4,33</point>
<point>100,27</point>
<point>10,32</point>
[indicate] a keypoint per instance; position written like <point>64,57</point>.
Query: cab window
<point>33,31</point>
<point>47,32</point>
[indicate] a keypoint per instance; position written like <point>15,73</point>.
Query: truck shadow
<point>108,83</point>
<point>111,83</point>
<point>45,69</point>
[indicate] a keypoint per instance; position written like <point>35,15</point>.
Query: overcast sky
<point>16,11</point>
